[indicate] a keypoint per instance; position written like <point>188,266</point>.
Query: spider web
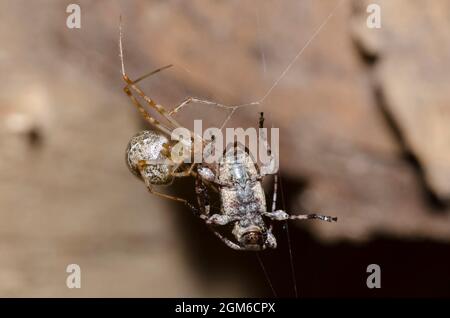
<point>260,101</point>
<point>275,83</point>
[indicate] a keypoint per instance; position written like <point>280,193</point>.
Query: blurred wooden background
<point>364,126</point>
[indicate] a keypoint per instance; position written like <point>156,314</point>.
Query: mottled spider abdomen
<point>145,156</point>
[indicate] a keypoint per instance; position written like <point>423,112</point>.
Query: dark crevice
<point>322,270</point>
<point>434,201</point>
<point>35,138</point>
<point>369,58</point>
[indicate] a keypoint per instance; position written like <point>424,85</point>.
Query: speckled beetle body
<point>243,199</point>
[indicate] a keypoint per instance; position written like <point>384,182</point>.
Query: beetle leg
<point>313,216</point>
<point>202,196</point>
<point>280,215</point>
<point>270,167</point>
<point>221,219</point>
<point>271,241</point>
<point>228,242</point>
<point>275,192</point>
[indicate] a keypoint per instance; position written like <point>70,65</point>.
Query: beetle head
<point>250,238</point>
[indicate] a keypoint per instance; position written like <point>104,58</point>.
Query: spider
<point>236,177</point>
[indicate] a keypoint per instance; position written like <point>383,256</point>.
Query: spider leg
<point>280,215</point>
<point>189,100</point>
<point>145,114</point>
<point>231,109</point>
<point>171,197</point>
<point>151,119</point>
<point>174,198</point>
<point>131,85</point>
<point>159,108</point>
<point>185,173</point>
<point>202,213</point>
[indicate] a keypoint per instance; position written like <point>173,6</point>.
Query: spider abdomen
<point>145,157</point>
